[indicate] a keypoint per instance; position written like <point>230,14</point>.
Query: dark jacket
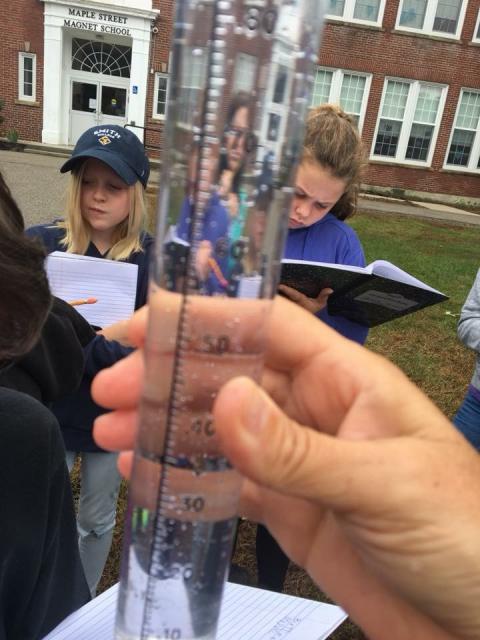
<point>77,411</point>
<point>55,365</point>
<point>41,576</point>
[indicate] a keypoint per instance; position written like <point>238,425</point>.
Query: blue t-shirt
<point>329,240</point>
<point>215,229</point>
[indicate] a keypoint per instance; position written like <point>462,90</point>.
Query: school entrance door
<point>99,85</point>
<point>95,103</point>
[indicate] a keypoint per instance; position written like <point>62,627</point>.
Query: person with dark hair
<point>226,210</point>
<point>238,142</point>
<point>41,575</point>
<point>54,365</point>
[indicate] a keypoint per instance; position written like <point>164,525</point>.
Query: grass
<point>424,345</point>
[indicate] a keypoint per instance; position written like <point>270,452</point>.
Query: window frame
<point>476,31</point>
<point>198,83</point>
<point>250,59</point>
<point>349,11</point>
<point>22,56</point>
<point>476,141</point>
<point>430,14</point>
<point>155,114</point>
<point>407,122</point>
<point>336,89</point>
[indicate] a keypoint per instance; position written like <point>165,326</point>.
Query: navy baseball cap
<point>116,146</point>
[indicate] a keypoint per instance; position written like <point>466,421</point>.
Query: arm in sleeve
<point>101,353</point>
<point>351,330</point>
<point>144,271</point>
<point>352,253</point>
<point>468,329</point>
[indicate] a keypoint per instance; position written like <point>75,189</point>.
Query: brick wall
<point>21,21</point>
<point>384,52</point>
<point>160,50</point>
<point>379,51</point>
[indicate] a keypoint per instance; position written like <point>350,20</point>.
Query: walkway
<point>39,188</point>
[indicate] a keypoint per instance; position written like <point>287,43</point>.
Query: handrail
<point>153,147</point>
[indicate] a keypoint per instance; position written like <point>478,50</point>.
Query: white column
<point>139,77</point>
<point>52,84</point>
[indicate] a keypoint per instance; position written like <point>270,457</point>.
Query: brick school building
<point>407,70</point>
<point>68,66</point>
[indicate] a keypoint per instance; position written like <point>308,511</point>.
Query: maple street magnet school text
<point>105,22</point>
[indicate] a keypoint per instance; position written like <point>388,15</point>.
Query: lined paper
<point>247,614</point>
<point>113,283</point>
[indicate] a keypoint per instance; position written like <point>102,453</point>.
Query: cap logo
<point>104,140</point>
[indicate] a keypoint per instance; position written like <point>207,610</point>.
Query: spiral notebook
<point>111,282</point>
<point>247,614</point>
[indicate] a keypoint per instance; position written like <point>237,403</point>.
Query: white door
<point>276,114</point>
<point>83,113</point>
<point>95,103</point>
<point>113,105</point>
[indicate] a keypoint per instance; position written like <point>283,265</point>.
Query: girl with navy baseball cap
<point>104,219</point>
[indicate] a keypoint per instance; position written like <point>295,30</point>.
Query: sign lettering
<point>102,22</point>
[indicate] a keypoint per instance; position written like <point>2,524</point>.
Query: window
<point>160,93</point>
<point>193,80</point>
<point>245,71</point>
<point>408,122</point>
<point>280,85</point>
<point>476,32</point>
<point>436,17</point>
<point>349,90</point>
<point>464,149</point>
<point>367,11</point>
<point>27,76</point>
<point>101,57</point>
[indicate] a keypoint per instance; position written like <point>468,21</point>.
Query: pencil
<point>217,271</point>
<point>76,303</point>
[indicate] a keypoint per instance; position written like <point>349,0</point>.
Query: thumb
<point>276,452</point>
<point>324,295</point>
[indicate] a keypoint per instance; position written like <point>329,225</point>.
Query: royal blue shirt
<point>76,412</point>
<point>215,229</point>
<point>329,240</point>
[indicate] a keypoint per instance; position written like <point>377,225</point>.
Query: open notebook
<point>247,614</point>
<point>111,282</point>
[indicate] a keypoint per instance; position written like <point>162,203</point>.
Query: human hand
<point>377,496</point>
<point>225,183</point>
<point>202,259</point>
<point>117,331</point>
<point>314,305</point>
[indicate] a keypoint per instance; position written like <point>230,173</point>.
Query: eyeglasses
<point>244,135</point>
<point>237,132</point>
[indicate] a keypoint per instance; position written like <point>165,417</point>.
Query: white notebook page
<point>112,283</point>
<point>247,614</point>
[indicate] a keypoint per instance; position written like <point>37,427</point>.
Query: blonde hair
<point>126,236</point>
<point>333,141</point>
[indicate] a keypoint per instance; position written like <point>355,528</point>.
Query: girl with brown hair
<point>326,188</point>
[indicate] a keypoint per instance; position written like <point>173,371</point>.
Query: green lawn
<point>423,344</point>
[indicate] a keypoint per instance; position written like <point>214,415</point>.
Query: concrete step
<point>46,149</point>
<point>58,154</point>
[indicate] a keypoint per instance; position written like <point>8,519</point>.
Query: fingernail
<point>255,411</point>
